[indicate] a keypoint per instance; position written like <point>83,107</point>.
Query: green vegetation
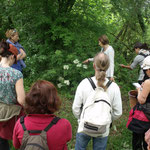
<point>59,34</point>
<point>120,136</point>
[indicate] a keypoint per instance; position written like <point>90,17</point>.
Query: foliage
<point>118,130</point>
<point>55,33</point>
<point>58,35</point>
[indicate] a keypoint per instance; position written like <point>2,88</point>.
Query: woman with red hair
<point>41,103</point>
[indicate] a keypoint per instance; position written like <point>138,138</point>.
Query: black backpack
<point>35,142</point>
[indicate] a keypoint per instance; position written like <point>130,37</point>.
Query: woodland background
<point>59,34</point>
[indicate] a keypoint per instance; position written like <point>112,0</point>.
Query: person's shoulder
<point>111,48</point>
<point>15,71</point>
<point>64,122</point>
<point>147,82</point>
<point>114,86</point>
<point>84,82</point>
<point>138,57</point>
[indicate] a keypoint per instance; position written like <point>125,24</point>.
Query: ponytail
<point>101,62</point>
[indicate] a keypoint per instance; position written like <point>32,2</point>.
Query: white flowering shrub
<point>65,70</point>
<point>71,73</point>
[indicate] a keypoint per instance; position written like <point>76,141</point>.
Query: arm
<point>16,142</point>
<point>111,59</point>
<point>143,92</point>
<point>21,55</point>
<point>78,102</point>
<point>147,138</point>
<point>135,62</point>
<point>20,91</point>
<point>88,60</point>
<point>116,104</point>
<point>125,66</point>
<point>68,131</point>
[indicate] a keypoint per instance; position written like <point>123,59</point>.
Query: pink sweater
<point>57,136</point>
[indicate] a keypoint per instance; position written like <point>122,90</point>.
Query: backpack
<point>36,142</point>
<point>144,54</point>
<point>96,112</point>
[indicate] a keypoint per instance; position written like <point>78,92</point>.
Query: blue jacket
<point>20,63</point>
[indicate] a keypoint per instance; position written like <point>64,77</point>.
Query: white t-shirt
<point>110,53</point>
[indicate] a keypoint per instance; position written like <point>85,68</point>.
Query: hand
<point>112,79</point>
<point>122,65</point>
<point>86,61</point>
<point>148,147</point>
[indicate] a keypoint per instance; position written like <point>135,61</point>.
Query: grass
<point>120,136</point>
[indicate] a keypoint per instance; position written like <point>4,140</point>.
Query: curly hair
<point>10,33</point>
<point>42,98</point>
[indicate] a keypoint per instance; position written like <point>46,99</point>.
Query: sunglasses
<point>14,31</point>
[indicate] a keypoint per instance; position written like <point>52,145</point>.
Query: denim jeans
<point>4,145</point>
<point>82,140</point>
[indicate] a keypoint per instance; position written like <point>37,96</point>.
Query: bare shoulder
<point>146,82</point>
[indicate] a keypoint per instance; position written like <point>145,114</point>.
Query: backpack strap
<point>24,127</point>
<point>22,123</point>
<point>108,84</point>
<point>92,83</point>
<point>143,54</point>
<point>94,86</point>
<point>54,121</point>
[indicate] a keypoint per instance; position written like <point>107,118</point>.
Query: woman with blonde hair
<point>84,90</point>
<point>13,38</point>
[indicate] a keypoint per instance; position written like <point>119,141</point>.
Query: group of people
<point>140,140</point>
<point>42,101</point>
<point>38,105</point>
<point>143,60</point>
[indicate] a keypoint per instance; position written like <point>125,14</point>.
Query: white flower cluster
<point>76,61</point>
<point>63,81</point>
<point>78,64</point>
<point>85,66</point>
<point>66,67</point>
